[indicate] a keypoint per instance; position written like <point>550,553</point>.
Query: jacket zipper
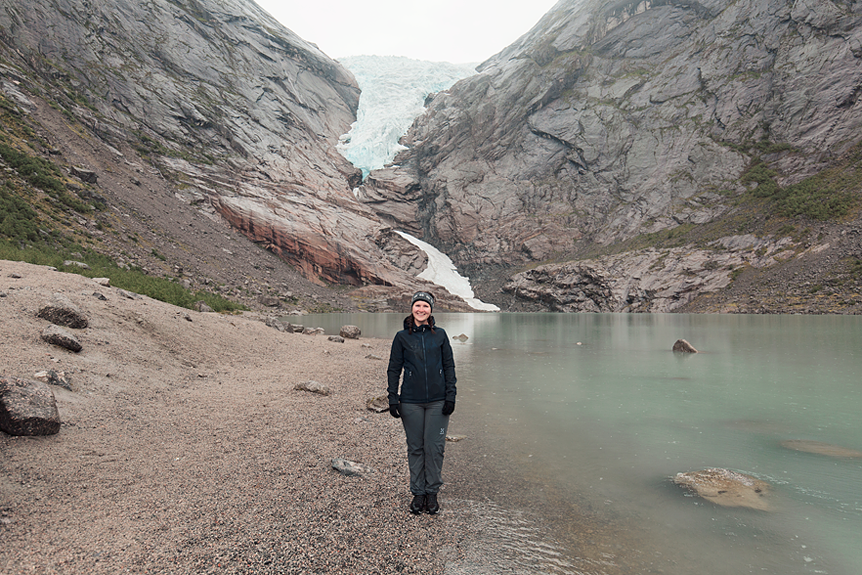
<point>425,365</point>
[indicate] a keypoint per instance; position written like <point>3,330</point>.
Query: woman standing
<point>427,398</point>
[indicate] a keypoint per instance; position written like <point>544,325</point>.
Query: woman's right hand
<point>393,411</point>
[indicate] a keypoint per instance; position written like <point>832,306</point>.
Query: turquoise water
<point>604,409</point>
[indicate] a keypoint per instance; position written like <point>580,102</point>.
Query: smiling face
<point>421,312</point>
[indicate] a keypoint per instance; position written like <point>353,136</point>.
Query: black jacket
<point>429,369</point>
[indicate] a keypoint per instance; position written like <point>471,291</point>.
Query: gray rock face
<point>27,407</point>
<point>229,102</point>
<point>608,120</point>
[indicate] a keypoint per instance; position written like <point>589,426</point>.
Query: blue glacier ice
<point>394,89</point>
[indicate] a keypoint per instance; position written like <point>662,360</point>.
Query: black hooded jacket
<point>425,356</point>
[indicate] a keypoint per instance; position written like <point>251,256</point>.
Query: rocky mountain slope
<point>722,134</point>
<point>199,117</point>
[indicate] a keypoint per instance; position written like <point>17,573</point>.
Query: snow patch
<point>442,272</point>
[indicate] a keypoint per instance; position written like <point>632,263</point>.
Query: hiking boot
<point>431,505</point>
<point>417,505</point>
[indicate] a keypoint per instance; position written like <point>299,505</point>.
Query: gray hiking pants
<point>425,427</point>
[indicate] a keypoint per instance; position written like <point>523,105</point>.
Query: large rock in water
<point>27,407</point>
<point>612,119</point>
<point>726,487</point>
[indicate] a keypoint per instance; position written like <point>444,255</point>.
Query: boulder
<point>820,448</point>
<point>378,404</point>
<point>346,467</point>
<point>313,387</point>
<point>350,332</point>
<point>462,337</point>
<point>336,338</point>
<point>56,335</point>
<point>727,488</point>
<point>313,331</point>
<point>202,306</point>
<point>683,346</point>
<point>84,174</point>
<point>61,311</point>
<point>27,408</point>
<point>272,321</point>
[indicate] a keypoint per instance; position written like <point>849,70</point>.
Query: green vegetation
<point>42,174</point>
<point>17,218</point>
<point>133,279</point>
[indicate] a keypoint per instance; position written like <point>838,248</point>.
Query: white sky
<point>457,31</point>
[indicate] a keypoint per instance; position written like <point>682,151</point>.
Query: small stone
<point>201,306</point>
<point>453,438</point>
<point>350,332</point>
<point>77,264</point>
<point>104,282</point>
<point>56,335</point>
<point>378,404</point>
<point>336,338</point>
<point>313,387</point>
<point>462,337</point>
<point>373,356</point>
<point>346,467</point>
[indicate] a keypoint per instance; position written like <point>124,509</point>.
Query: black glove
<point>448,407</point>
<point>393,411</point>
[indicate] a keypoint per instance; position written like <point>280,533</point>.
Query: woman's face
<point>421,312</point>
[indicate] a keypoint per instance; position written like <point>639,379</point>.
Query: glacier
<point>394,89</point>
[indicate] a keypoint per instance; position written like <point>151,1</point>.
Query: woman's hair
<point>409,323</point>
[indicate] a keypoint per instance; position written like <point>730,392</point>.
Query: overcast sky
<point>456,31</point>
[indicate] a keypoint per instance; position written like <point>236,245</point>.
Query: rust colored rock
<point>27,407</point>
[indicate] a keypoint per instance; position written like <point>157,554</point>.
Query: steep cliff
<point>239,113</point>
<point>609,121</point>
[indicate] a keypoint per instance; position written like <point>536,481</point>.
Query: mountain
<point>614,138</point>
<point>233,113</point>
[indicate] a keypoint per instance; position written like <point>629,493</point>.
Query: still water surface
<point>600,404</point>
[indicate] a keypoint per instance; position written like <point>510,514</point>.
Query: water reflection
<point>614,418</point>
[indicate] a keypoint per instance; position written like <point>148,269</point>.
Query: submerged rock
<point>726,487</point>
<point>821,448</point>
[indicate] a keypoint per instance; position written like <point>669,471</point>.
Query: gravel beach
<point>184,448</point>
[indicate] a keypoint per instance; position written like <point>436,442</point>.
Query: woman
<point>422,351</point>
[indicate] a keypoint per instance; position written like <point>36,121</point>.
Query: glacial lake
<point>600,407</point>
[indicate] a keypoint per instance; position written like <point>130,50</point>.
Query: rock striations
<point>242,114</point>
<point>609,120</point>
